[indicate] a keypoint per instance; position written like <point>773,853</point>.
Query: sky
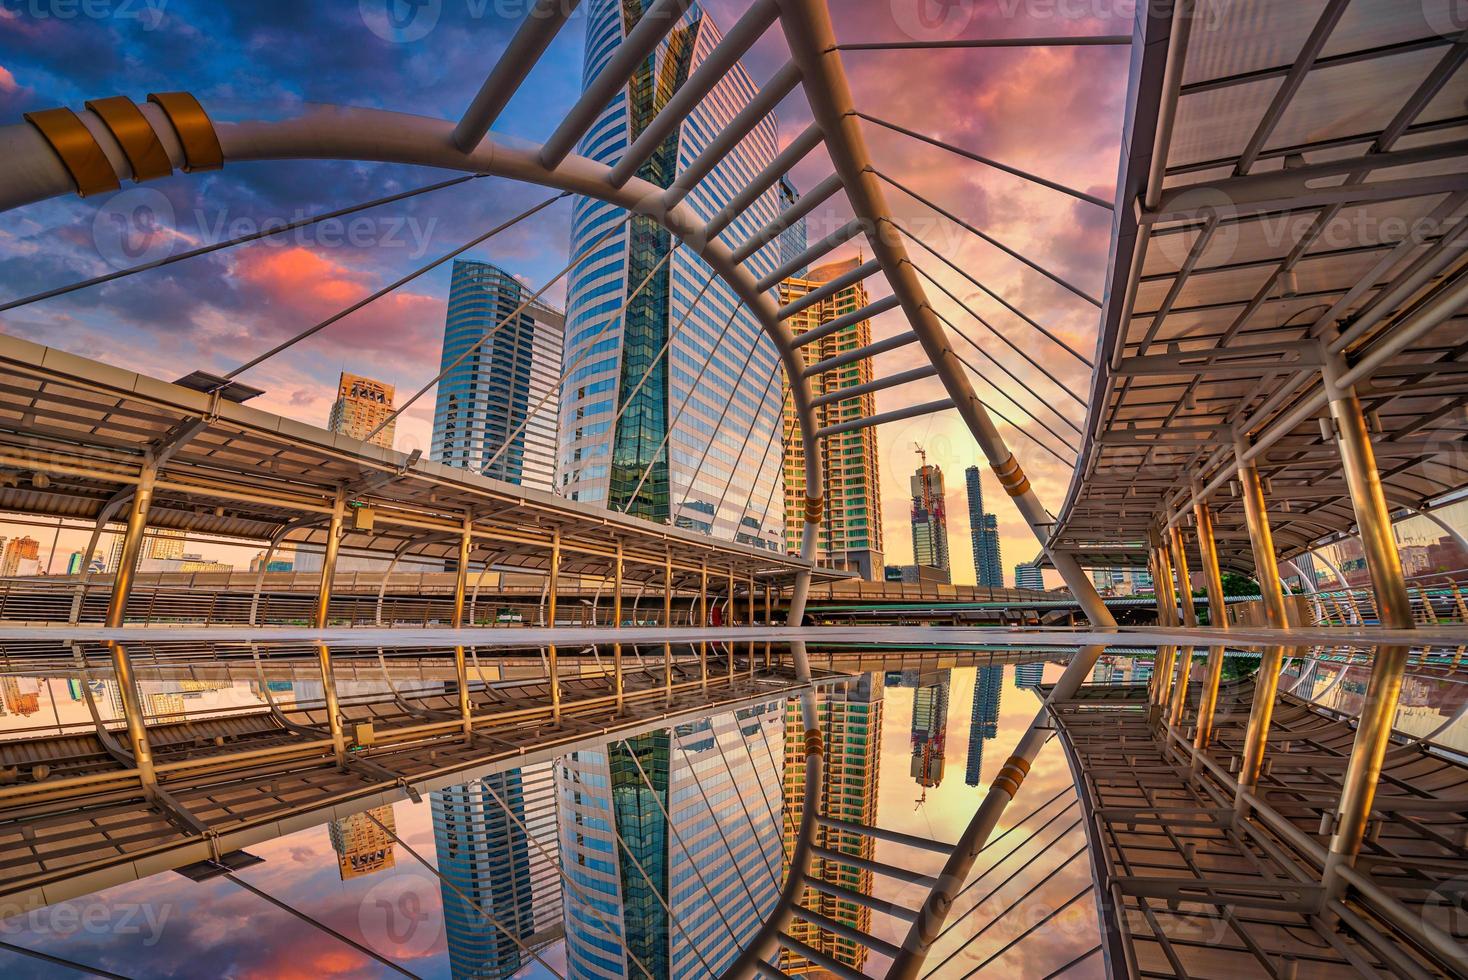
<point>1053,111</point>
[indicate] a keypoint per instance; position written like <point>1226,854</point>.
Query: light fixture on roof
<point>40,480</point>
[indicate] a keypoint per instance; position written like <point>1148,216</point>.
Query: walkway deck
<point>1187,889</point>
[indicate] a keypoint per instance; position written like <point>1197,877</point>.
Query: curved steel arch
<point>328,132</point>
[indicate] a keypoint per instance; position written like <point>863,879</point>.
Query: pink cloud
<point>7,81</point>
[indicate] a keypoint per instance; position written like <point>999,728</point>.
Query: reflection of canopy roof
<point>1299,196</point>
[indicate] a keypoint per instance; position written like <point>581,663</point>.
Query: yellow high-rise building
<point>362,404</point>
<point>851,534</point>
<point>362,847</point>
<point>851,716</point>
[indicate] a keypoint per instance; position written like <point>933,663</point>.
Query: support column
<point>553,666</point>
<point>617,589</point>
<point>1261,539</point>
<point>1208,558</point>
<point>328,559</point>
<point>1162,583</point>
<point>1180,680</point>
<point>753,616</point>
<point>618,689</point>
<point>132,544</point>
<point>731,607</point>
<point>668,590</point>
<point>132,710</point>
<point>554,583</point>
<point>1184,577</point>
<point>703,622</point>
<point>1266,571</point>
<point>333,710</point>
<point>1394,609</point>
<point>461,585</point>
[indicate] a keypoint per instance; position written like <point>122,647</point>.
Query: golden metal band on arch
<point>1011,477</point>
<point>140,144</point>
<point>1012,775</point>
<point>194,128</point>
<point>815,507</point>
<point>813,743</point>
<point>78,149</point>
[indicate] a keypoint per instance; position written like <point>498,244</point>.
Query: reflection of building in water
<point>1029,676</point>
<point>929,720</point>
<point>1121,670</point>
<point>20,695</point>
<point>984,721</point>
<point>709,776</point>
<point>851,717</point>
<point>484,857</point>
<point>362,847</point>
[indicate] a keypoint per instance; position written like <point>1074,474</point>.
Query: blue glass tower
<point>678,453</point>
<point>984,530</point>
<point>484,861</point>
<point>504,390</point>
<point>984,721</point>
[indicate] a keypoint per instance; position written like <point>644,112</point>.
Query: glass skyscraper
<point>984,719</point>
<point>485,400</point>
<point>484,860</point>
<point>693,447</point>
<point>1028,575</point>
<point>851,535</point>
<point>984,530</point>
<point>703,775</point>
<point>929,519</point>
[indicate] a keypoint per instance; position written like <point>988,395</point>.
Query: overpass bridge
<point>1273,369</point>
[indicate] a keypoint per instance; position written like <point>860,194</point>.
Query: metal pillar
<point>668,590</point>
<point>132,544</point>
<point>617,589</point>
<point>333,711</point>
<point>1180,686</point>
<point>553,665</point>
<point>1208,558</point>
<point>703,621</point>
<point>461,584</point>
<point>732,609</point>
<point>1393,609</point>
<point>328,560</point>
<point>1184,577</point>
<point>618,688</point>
<point>1261,539</point>
<point>554,582</point>
<point>132,710</point>
<point>1162,582</point>
<point>753,616</point>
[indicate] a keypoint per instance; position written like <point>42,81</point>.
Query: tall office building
<point>497,411</point>
<point>929,519</point>
<point>793,240</point>
<point>22,556</point>
<point>851,534</point>
<point>484,862</point>
<point>1027,677</point>
<point>983,720</point>
<point>984,530</point>
<point>362,404</point>
<point>695,447</point>
<point>1027,575</point>
<point>362,847</point>
<point>698,773</point>
<point>930,727</point>
<point>851,716</point>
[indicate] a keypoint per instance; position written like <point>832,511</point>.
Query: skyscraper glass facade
<point>504,391</point>
<point>984,530</point>
<point>719,827</point>
<point>851,535</point>
<point>1027,575</point>
<point>983,719</point>
<point>929,519</point>
<point>693,446</point>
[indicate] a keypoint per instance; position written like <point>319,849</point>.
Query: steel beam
<point>132,543</point>
<point>1184,577</point>
<point>542,22</point>
<point>328,559</point>
<point>807,27</point>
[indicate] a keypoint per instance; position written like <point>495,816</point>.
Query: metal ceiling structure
<point>1300,196</point>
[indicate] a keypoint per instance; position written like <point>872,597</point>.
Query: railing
<point>1440,602</point>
